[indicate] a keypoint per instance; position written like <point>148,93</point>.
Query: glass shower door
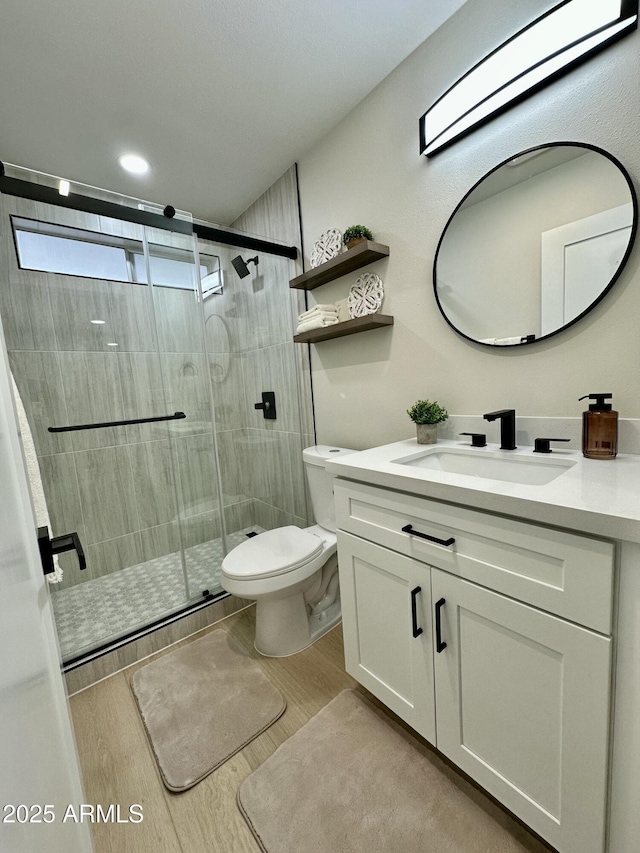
<point>84,330</point>
<point>127,329</point>
<point>179,276</point>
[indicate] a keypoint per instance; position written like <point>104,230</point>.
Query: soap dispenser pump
<point>599,428</point>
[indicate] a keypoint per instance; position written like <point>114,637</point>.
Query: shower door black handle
<point>268,405</point>
<point>58,545</point>
<point>176,416</point>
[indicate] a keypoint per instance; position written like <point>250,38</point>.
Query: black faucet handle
<point>478,439</point>
<point>541,445</point>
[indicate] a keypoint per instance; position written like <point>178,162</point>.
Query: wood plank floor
<point>118,766</point>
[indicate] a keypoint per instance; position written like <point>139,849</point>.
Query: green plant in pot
<point>355,234</point>
<point>427,414</point>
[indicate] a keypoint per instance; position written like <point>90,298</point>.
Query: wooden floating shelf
<point>361,255</point>
<point>348,327</point>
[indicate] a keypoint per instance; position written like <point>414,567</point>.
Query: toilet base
<point>283,626</point>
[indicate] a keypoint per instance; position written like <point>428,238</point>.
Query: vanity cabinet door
<point>386,617</point>
<point>523,708</point>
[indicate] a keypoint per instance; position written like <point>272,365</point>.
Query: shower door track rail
<point>88,204</point>
<point>243,241</point>
<point>165,220</point>
<point>177,416</point>
<point>138,633</point>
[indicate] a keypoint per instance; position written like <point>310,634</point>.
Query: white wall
<point>368,170</point>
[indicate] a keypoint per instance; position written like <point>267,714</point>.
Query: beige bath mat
<point>201,704</point>
<point>350,781</point>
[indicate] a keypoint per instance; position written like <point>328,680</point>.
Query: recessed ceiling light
<point>98,322</point>
<point>134,164</point>
<point>112,345</point>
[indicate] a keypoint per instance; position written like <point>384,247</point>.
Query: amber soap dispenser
<point>599,428</point>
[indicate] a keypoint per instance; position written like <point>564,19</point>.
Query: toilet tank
<point>321,482</point>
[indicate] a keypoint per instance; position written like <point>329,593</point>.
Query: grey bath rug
<point>351,781</point>
<point>201,704</point>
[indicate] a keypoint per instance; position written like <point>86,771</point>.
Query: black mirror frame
<point>616,275</point>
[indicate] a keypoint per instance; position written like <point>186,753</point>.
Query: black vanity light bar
<point>542,51</point>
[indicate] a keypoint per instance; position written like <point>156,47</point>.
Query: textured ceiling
<point>221,96</point>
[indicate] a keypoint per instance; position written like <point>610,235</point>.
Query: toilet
<point>292,573</point>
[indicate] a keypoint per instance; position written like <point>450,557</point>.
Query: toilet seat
<point>272,553</point>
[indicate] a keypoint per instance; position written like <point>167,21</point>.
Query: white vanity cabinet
<point>510,675</point>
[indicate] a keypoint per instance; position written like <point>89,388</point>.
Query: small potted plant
<point>355,234</point>
<point>426,415</point>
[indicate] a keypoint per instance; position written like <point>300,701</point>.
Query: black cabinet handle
<point>58,545</point>
<point>414,615</point>
<point>409,529</point>
<point>440,646</point>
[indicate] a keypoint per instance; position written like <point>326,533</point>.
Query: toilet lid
<point>272,553</point>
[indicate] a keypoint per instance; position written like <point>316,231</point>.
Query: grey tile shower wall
<point>39,380</point>
<point>274,214</point>
<point>29,305</point>
<point>114,486</point>
<point>177,330</point>
<point>270,358</point>
<point>273,468</point>
<point>234,466</point>
<point>228,389</point>
<point>240,515</point>
<point>107,493</point>
<point>272,368</point>
<point>267,303</point>
<point>225,327</point>
<point>92,391</point>
<point>248,339</point>
<point>160,540</point>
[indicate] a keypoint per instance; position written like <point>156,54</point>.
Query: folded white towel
<point>321,315</point>
<point>319,310</point>
<point>327,306</point>
<point>316,323</point>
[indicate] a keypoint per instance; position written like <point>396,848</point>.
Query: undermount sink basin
<point>489,465</point>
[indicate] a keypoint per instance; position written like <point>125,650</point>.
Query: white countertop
<point>601,497</point>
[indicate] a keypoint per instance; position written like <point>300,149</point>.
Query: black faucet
<point>507,427</point>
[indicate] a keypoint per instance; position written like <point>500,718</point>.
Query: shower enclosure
<point>139,355</point>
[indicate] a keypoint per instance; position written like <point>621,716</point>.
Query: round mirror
<point>535,244</point>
